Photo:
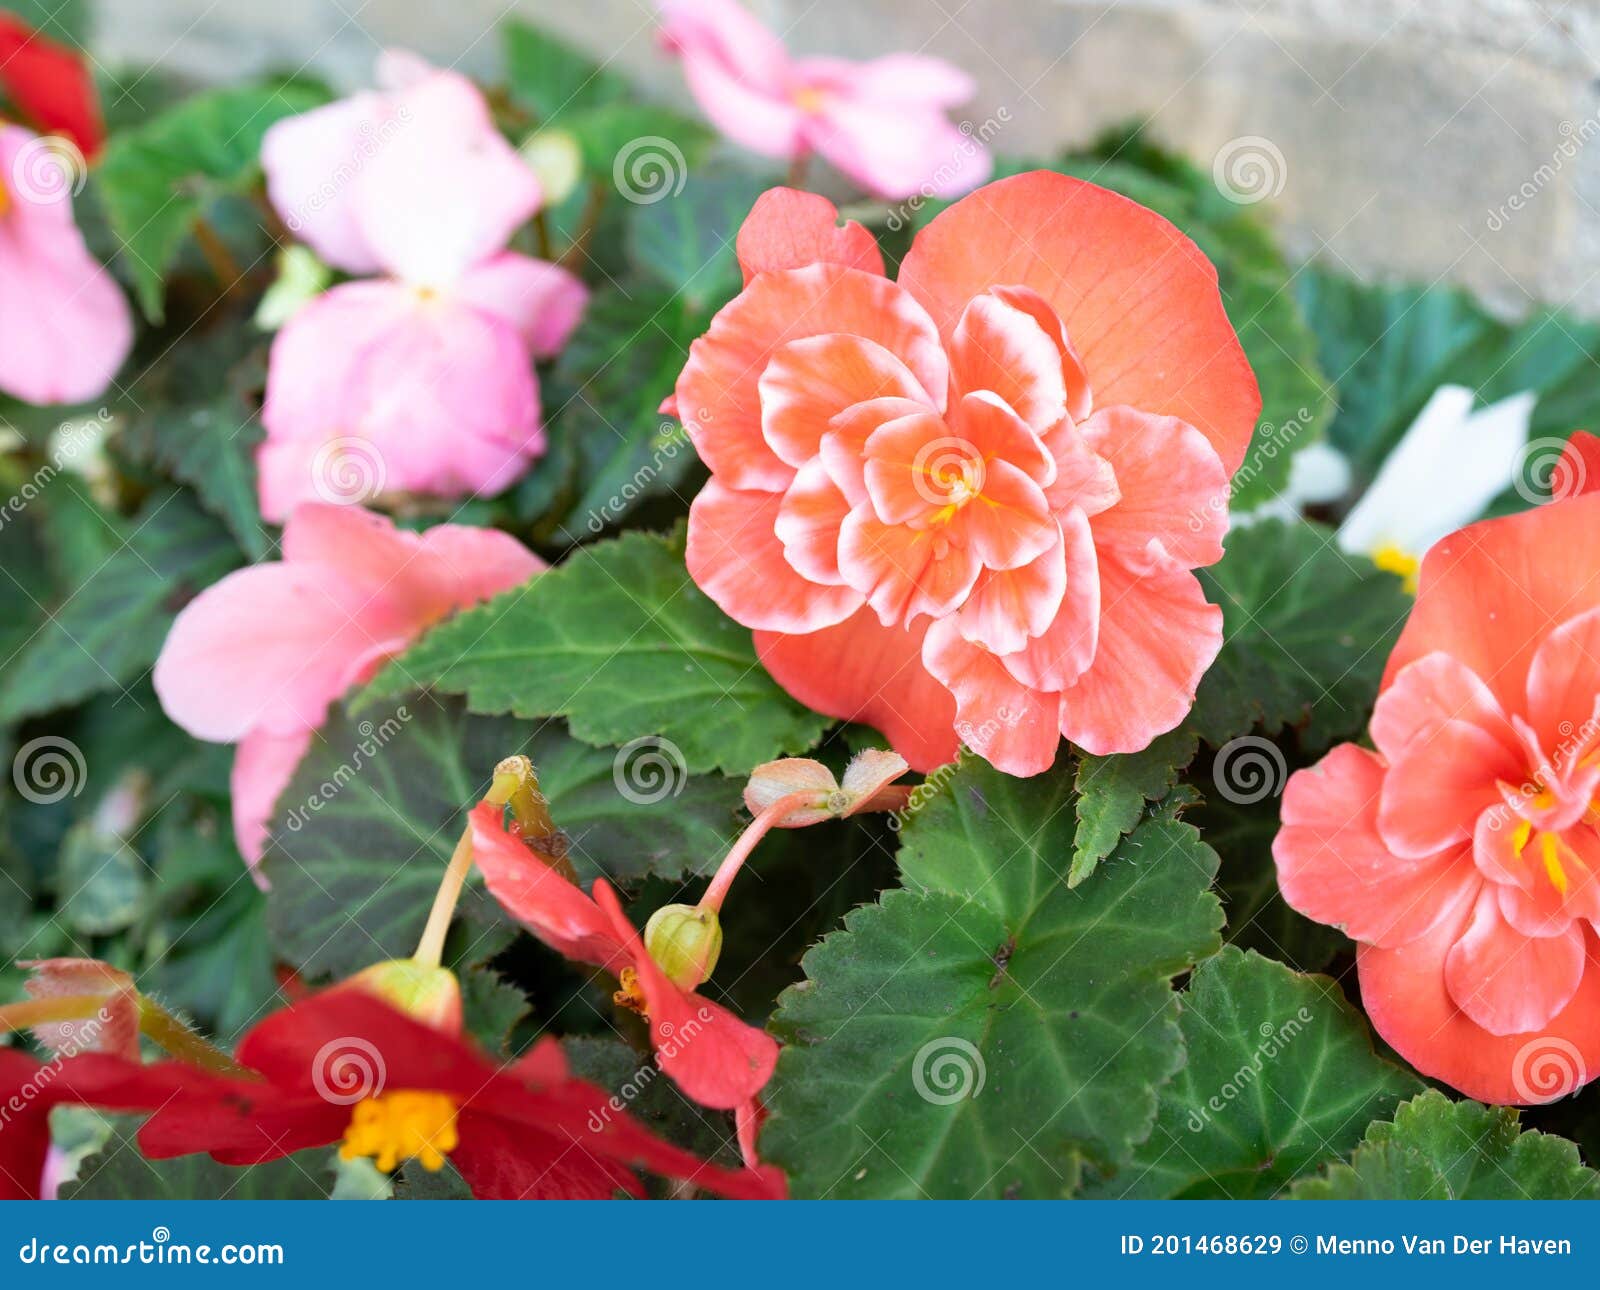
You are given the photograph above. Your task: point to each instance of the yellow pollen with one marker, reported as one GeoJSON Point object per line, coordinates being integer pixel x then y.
{"type": "Point", "coordinates": [5, 200]}
{"type": "Point", "coordinates": [1520, 836]}
{"type": "Point", "coordinates": [1391, 559]}
{"type": "Point", "coordinates": [1549, 847]}
{"type": "Point", "coordinates": [628, 994]}
{"type": "Point", "coordinates": [405, 1125]}
{"type": "Point", "coordinates": [808, 98]}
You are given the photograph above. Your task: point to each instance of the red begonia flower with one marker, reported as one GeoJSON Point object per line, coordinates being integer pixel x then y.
{"type": "Point", "coordinates": [345, 1067]}
{"type": "Point", "coordinates": [718, 1060]}
{"type": "Point", "coordinates": [967, 505]}
{"type": "Point", "coordinates": [1463, 855]}
{"type": "Point", "coordinates": [50, 85]}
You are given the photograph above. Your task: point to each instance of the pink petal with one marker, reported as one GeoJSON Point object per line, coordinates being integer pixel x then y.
{"type": "Point", "coordinates": [1059, 654]}
{"type": "Point", "coordinates": [861, 671]}
{"type": "Point", "coordinates": [263, 765]}
{"type": "Point", "coordinates": [718, 395]}
{"type": "Point", "coordinates": [1007, 607]}
{"type": "Point", "coordinates": [269, 648]}
{"type": "Point", "coordinates": [1003, 349]}
{"type": "Point", "coordinates": [789, 229]}
{"type": "Point", "coordinates": [843, 450]}
{"type": "Point", "coordinates": [774, 780]}
{"type": "Point", "coordinates": [1437, 788]}
{"type": "Point", "coordinates": [1080, 399]}
{"type": "Point", "coordinates": [1173, 507]}
{"type": "Point", "coordinates": [1564, 681]}
{"type": "Point", "coordinates": [896, 150]}
{"type": "Point", "coordinates": [1010, 522]}
{"type": "Point", "coordinates": [373, 389]}
{"type": "Point", "coordinates": [1084, 480]}
{"type": "Point", "coordinates": [444, 191]}
{"type": "Point", "coordinates": [543, 301]}
{"type": "Point", "coordinates": [996, 430]}
{"type": "Point", "coordinates": [539, 898]}
{"type": "Point", "coordinates": [904, 572]}
{"type": "Point", "coordinates": [1430, 692]}
{"type": "Point", "coordinates": [308, 161]}
{"type": "Point", "coordinates": [65, 328]}
{"type": "Point", "coordinates": [808, 523]}
{"type": "Point", "coordinates": [1507, 982]}
{"type": "Point", "coordinates": [735, 557]}
{"type": "Point", "coordinates": [737, 71]}
{"type": "Point", "coordinates": [1141, 683]}
{"type": "Point", "coordinates": [869, 771]}
{"type": "Point", "coordinates": [912, 78]}
{"type": "Point", "coordinates": [1334, 867]}
{"type": "Point", "coordinates": [1013, 727]}
{"type": "Point", "coordinates": [809, 382]}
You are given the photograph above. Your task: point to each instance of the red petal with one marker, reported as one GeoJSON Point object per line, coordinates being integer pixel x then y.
{"type": "Point", "coordinates": [50, 85]}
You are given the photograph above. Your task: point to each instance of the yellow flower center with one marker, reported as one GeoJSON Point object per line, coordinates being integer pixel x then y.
{"type": "Point", "coordinates": [405, 1125]}
{"type": "Point", "coordinates": [1391, 559]}
{"type": "Point", "coordinates": [629, 993]}
{"type": "Point", "coordinates": [808, 98]}
{"type": "Point", "coordinates": [5, 200]}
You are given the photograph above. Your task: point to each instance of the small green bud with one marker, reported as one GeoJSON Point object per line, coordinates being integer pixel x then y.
{"type": "Point", "coordinates": [430, 994]}
{"type": "Point", "coordinates": [556, 157]}
{"type": "Point", "coordinates": [685, 941]}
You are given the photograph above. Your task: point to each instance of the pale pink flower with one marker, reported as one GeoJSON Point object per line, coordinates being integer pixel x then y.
{"type": "Point", "coordinates": [65, 328]}
{"type": "Point", "coordinates": [882, 122]}
{"type": "Point", "coordinates": [425, 375]}
{"type": "Point", "coordinates": [256, 659]}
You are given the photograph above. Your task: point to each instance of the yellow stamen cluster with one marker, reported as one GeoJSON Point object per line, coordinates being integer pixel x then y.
{"type": "Point", "coordinates": [630, 994]}
{"type": "Point", "coordinates": [405, 1125]}
{"type": "Point", "coordinates": [808, 98]}
{"type": "Point", "coordinates": [5, 200]}
{"type": "Point", "coordinates": [1391, 559]}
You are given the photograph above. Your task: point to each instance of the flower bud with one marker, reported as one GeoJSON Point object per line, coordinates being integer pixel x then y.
{"type": "Point", "coordinates": [554, 155]}
{"type": "Point", "coordinates": [685, 942]}
{"type": "Point", "coordinates": [430, 994]}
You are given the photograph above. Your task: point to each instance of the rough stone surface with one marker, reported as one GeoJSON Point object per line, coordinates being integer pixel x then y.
{"type": "Point", "coordinates": [1453, 139]}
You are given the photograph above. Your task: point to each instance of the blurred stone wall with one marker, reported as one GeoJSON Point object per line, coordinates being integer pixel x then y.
{"type": "Point", "coordinates": [1454, 139]}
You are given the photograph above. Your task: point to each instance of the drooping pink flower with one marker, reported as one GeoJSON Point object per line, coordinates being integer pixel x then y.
{"type": "Point", "coordinates": [419, 381]}
{"type": "Point", "coordinates": [883, 122]}
{"type": "Point", "coordinates": [714, 1057]}
{"type": "Point", "coordinates": [967, 505]}
{"type": "Point", "coordinates": [65, 327]}
{"type": "Point", "coordinates": [1463, 855]}
{"type": "Point", "coordinates": [256, 659]}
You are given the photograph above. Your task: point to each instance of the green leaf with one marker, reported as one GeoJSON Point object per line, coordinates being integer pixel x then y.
{"type": "Point", "coordinates": [608, 384]}
{"type": "Point", "coordinates": [685, 240]}
{"type": "Point", "coordinates": [1112, 792]}
{"type": "Point", "coordinates": [1390, 347]}
{"type": "Point", "coordinates": [1307, 630]}
{"type": "Point", "coordinates": [362, 833]}
{"type": "Point", "coordinates": [1436, 1149]}
{"type": "Point", "coordinates": [24, 584]}
{"type": "Point", "coordinates": [492, 1006]}
{"type": "Point", "coordinates": [156, 180]}
{"type": "Point", "coordinates": [102, 882]}
{"type": "Point", "coordinates": [197, 420]}
{"type": "Point", "coordinates": [1281, 1078]}
{"type": "Point", "coordinates": [621, 642]}
{"type": "Point", "coordinates": [110, 628]}
{"type": "Point", "coordinates": [120, 1172]}
{"type": "Point", "coordinates": [986, 1030]}
{"type": "Point", "coordinates": [551, 78]}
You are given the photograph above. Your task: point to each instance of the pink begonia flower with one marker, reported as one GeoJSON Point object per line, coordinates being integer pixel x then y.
{"type": "Point", "coordinates": [882, 123]}
{"type": "Point", "coordinates": [421, 380]}
{"type": "Point", "coordinates": [65, 328]}
{"type": "Point", "coordinates": [967, 505]}
{"type": "Point", "coordinates": [256, 659]}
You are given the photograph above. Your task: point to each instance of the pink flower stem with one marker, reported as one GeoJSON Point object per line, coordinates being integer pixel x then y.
{"type": "Point", "coordinates": [754, 832]}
